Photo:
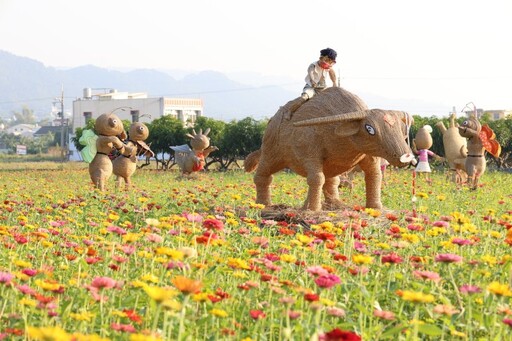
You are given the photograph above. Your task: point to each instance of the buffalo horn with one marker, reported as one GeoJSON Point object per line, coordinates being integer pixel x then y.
{"type": "Point", "coordinates": [349, 116]}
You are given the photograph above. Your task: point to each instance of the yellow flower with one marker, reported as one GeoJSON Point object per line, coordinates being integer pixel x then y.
{"type": "Point", "coordinates": [441, 197]}
{"type": "Point", "coordinates": [288, 258]}
{"type": "Point", "coordinates": [171, 305]}
{"type": "Point", "coordinates": [83, 316]}
{"type": "Point", "coordinates": [84, 337]}
{"type": "Point", "coordinates": [113, 216]}
{"type": "Point", "coordinates": [171, 253]}
{"type": "Point", "coordinates": [417, 297]}
{"type": "Point", "coordinates": [238, 263]}
{"type": "Point", "coordinates": [131, 237]}
{"type": "Point", "coordinates": [150, 278]}
{"type": "Point", "coordinates": [218, 312]}
{"type": "Point", "coordinates": [28, 302]}
{"type": "Point", "coordinates": [143, 337]}
{"type": "Point", "coordinates": [499, 289]}
{"type": "Point", "coordinates": [143, 200]}
{"type": "Point", "coordinates": [495, 234]}
{"type": "Point", "coordinates": [422, 195]}
{"type": "Point", "coordinates": [232, 222]}
{"type": "Point", "coordinates": [50, 286]}
{"type": "Point", "coordinates": [48, 334]}
{"type": "Point", "coordinates": [200, 297]}
{"type": "Point", "coordinates": [22, 264]}
{"type": "Point", "coordinates": [304, 239]}
{"type": "Point", "coordinates": [362, 259]}
{"type": "Point", "coordinates": [159, 294]}
{"type": "Point", "coordinates": [411, 238]}
{"type": "Point", "coordinates": [490, 260]}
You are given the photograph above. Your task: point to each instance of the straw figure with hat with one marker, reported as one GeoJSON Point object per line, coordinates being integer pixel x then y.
{"type": "Point", "coordinates": [326, 136]}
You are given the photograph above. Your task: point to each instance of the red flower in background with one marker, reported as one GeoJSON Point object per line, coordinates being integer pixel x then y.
{"type": "Point", "coordinates": [339, 335]}
{"type": "Point", "coordinates": [257, 314]}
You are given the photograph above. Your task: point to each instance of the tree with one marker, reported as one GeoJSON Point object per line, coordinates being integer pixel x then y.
{"type": "Point", "coordinates": [25, 116]}
{"type": "Point", "coordinates": [165, 132]}
{"type": "Point", "coordinates": [239, 139]}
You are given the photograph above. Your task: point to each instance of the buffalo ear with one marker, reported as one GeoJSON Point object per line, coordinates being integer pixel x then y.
{"type": "Point", "coordinates": [347, 128]}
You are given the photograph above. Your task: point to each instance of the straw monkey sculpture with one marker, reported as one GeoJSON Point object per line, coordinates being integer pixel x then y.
{"type": "Point", "coordinates": [325, 137]}
{"type": "Point", "coordinates": [479, 139]}
{"type": "Point", "coordinates": [455, 149]}
{"type": "Point", "coordinates": [125, 166]}
{"type": "Point", "coordinates": [193, 160]}
{"type": "Point", "coordinates": [110, 133]}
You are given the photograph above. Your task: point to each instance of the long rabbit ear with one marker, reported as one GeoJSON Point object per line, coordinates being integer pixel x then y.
{"type": "Point", "coordinates": [200, 131]}
{"type": "Point", "coordinates": [188, 135]}
{"type": "Point", "coordinates": [206, 131]}
{"type": "Point", "coordinates": [193, 130]}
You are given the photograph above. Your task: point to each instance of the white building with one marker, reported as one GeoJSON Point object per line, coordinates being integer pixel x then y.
{"type": "Point", "coordinates": [135, 107]}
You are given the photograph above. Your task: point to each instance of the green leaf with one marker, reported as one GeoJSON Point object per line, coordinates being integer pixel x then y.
{"type": "Point", "coordinates": [430, 329]}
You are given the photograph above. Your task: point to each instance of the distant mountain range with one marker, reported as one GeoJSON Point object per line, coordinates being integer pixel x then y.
{"type": "Point", "coordinates": [27, 82]}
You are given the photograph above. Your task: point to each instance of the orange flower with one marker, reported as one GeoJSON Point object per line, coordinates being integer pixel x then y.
{"type": "Point", "coordinates": [186, 285]}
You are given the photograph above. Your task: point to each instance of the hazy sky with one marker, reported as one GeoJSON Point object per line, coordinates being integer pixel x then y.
{"type": "Point", "coordinates": [448, 52]}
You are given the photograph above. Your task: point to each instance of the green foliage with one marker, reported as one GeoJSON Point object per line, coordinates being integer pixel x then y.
{"type": "Point", "coordinates": [242, 137]}
{"type": "Point", "coordinates": [165, 132]}
{"type": "Point", "coordinates": [78, 134]}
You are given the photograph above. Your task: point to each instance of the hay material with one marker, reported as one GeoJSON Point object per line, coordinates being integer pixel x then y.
{"type": "Point", "coordinates": [353, 135]}
{"type": "Point", "coordinates": [110, 131]}
{"type": "Point", "coordinates": [193, 160]}
{"type": "Point", "coordinates": [124, 167]}
{"type": "Point", "coordinates": [455, 150]}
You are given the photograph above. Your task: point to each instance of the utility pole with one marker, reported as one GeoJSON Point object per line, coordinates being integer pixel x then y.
{"type": "Point", "coordinates": [62, 149]}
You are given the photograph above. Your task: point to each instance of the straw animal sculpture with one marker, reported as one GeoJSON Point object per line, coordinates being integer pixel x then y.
{"type": "Point", "coordinates": [193, 160]}
{"type": "Point", "coordinates": [479, 139]}
{"type": "Point", "coordinates": [455, 150]}
{"type": "Point", "coordinates": [325, 137]}
{"type": "Point", "coordinates": [125, 166]}
{"type": "Point", "coordinates": [110, 132]}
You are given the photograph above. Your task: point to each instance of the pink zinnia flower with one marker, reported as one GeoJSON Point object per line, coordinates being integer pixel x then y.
{"type": "Point", "coordinates": [26, 290]}
{"type": "Point", "coordinates": [317, 270]}
{"type": "Point", "coordinates": [128, 249]}
{"type": "Point", "coordinates": [461, 242]}
{"type": "Point", "coordinates": [193, 217]}
{"type": "Point", "coordinates": [293, 314]}
{"type": "Point", "coordinates": [327, 281]}
{"type": "Point", "coordinates": [6, 277]}
{"type": "Point", "coordinates": [448, 258]}
{"type": "Point", "coordinates": [384, 314]}
{"type": "Point", "coordinates": [29, 272]}
{"type": "Point", "coordinates": [508, 322]}
{"type": "Point", "coordinates": [116, 229]}
{"type": "Point", "coordinates": [155, 238]}
{"type": "Point", "coordinates": [433, 276]}
{"type": "Point", "coordinates": [213, 224]}
{"type": "Point", "coordinates": [334, 311]}
{"type": "Point", "coordinates": [103, 283]}
{"type": "Point", "coordinates": [469, 289]}
{"type": "Point", "coordinates": [441, 223]}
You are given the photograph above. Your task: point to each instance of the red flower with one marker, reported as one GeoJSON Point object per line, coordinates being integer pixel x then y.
{"type": "Point", "coordinates": [213, 224]}
{"type": "Point", "coordinates": [132, 315]}
{"type": "Point", "coordinates": [339, 335]}
{"type": "Point", "coordinates": [391, 258]}
{"type": "Point", "coordinates": [257, 314]}
{"type": "Point", "coordinates": [311, 297]}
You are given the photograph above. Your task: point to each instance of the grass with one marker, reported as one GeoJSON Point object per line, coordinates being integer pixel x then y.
{"type": "Point", "coordinates": [197, 259]}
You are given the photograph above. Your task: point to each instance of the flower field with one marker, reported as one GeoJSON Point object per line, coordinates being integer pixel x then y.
{"type": "Point", "coordinates": [197, 259]}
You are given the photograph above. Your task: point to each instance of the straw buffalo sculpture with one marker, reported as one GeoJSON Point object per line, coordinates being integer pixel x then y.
{"type": "Point", "coordinates": [325, 137]}
{"type": "Point", "coordinates": [125, 166]}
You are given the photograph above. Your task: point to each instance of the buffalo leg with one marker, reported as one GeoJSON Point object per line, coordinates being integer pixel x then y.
{"type": "Point", "coordinates": [316, 180]}
{"type": "Point", "coordinates": [331, 192]}
{"type": "Point", "coordinates": [263, 193]}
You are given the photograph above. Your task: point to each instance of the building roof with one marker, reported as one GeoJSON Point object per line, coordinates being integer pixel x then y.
{"type": "Point", "coordinates": [48, 129]}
